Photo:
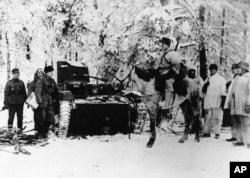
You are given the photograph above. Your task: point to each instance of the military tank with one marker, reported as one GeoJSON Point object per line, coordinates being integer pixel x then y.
{"type": "Point", "coordinates": [88, 108]}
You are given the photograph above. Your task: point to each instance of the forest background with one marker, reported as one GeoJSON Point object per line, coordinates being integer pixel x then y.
{"type": "Point", "coordinates": [103, 33]}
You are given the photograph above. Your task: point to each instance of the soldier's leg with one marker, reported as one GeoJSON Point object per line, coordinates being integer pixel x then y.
{"type": "Point", "coordinates": [233, 129]}
{"type": "Point", "coordinates": [237, 125]}
{"type": "Point", "coordinates": [217, 120]}
{"type": "Point", "coordinates": [42, 112]}
{"type": "Point", "coordinates": [20, 116]}
{"type": "Point", "coordinates": [208, 121]}
{"type": "Point", "coordinates": [12, 111]}
{"type": "Point", "coordinates": [39, 117]}
{"type": "Point", "coordinates": [50, 118]}
{"type": "Point", "coordinates": [169, 92]}
{"type": "Point", "coordinates": [35, 120]}
{"type": "Point", "coordinates": [245, 127]}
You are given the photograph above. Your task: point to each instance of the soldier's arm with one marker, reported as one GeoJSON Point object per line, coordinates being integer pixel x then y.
{"type": "Point", "coordinates": [6, 94]}
{"type": "Point", "coordinates": [201, 81]}
{"type": "Point", "coordinates": [174, 58]}
{"type": "Point", "coordinates": [24, 90]}
{"type": "Point", "coordinates": [38, 91]}
{"type": "Point", "coordinates": [57, 99]}
{"type": "Point", "coordinates": [30, 88]}
{"type": "Point", "coordinates": [228, 98]}
{"type": "Point", "coordinates": [156, 64]}
{"type": "Point", "coordinates": [248, 96]}
{"type": "Point", "coordinates": [223, 93]}
{"type": "Point", "coordinates": [223, 87]}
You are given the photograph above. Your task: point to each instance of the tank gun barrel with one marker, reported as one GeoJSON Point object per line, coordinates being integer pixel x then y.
{"type": "Point", "coordinates": [94, 77]}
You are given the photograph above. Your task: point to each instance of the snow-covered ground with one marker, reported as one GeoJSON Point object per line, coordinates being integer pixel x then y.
{"type": "Point", "coordinates": [120, 157]}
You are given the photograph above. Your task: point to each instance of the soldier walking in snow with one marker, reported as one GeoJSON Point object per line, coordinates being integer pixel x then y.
{"type": "Point", "coordinates": [14, 98]}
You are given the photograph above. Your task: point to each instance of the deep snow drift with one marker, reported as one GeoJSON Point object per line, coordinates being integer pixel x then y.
{"type": "Point", "coordinates": [120, 157]}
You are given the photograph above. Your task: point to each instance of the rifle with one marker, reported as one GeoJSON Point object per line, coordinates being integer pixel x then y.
{"type": "Point", "coordinates": [178, 39]}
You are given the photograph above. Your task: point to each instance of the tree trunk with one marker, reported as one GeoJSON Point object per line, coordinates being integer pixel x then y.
{"type": "Point", "coordinates": [222, 35]}
{"type": "Point", "coordinates": [1, 56]}
{"type": "Point", "coordinates": [203, 58]}
{"type": "Point", "coordinates": [245, 44]}
{"type": "Point", "coordinates": [8, 57]}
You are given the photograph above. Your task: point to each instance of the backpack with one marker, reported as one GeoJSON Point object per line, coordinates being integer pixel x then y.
{"type": "Point", "coordinates": [180, 86]}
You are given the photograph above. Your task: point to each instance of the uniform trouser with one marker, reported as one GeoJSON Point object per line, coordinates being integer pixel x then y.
{"type": "Point", "coordinates": [245, 125]}
{"type": "Point", "coordinates": [233, 129]}
{"type": "Point", "coordinates": [213, 120]}
{"type": "Point", "coordinates": [38, 118]}
{"type": "Point", "coordinates": [242, 128]}
{"type": "Point", "coordinates": [13, 109]}
{"type": "Point", "coordinates": [237, 127]}
{"type": "Point", "coordinates": [47, 119]}
{"type": "Point", "coordinates": [169, 92]}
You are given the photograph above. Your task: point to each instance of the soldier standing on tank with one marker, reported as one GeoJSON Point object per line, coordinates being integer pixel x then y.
{"type": "Point", "coordinates": [14, 98]}
{"type": "Point", "coordinates": [47, 95]}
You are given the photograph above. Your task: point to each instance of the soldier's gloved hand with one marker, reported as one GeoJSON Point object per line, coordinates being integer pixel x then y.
{"type": "Point", "coordinates": [247, 109]}
{"type": "Point", "coordinates": [5, 107]}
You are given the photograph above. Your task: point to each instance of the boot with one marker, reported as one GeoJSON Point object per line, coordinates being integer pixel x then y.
{"type": "Point", "coordinates": [204, 135]}
{"type": "Point", "coordinates": [238, 144]}
{"type": "Point", "coordinates": [231, 139]}
{"type": "Point", "coordinates": [217, 136]}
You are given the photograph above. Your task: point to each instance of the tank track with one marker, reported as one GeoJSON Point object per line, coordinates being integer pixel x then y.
{"type": "Point", "coordinates": [65, 108]}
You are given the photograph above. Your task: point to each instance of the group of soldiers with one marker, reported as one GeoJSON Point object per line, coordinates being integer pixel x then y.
{"type": "Point", "coordinates": [216, 95]}
{"type": "Point", "coordinates": [46, 94]}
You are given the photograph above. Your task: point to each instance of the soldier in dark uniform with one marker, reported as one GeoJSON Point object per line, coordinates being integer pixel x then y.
{"type": "Point", "coordinates": [14, 98]}
{"type": "Point", "coordinates": [47, 95]}
{"type": "Point", "coordinates": [31, 88]}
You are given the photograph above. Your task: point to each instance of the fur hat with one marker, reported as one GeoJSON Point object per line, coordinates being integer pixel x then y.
{"type": "Point", "coordinates": [244, 65]}
{"type": "Point", "coordinates": [166, 41]}
{"type": "Point", "coordinates": [48, 69]}
{"type": "Point", "coordinates": [15, 70]}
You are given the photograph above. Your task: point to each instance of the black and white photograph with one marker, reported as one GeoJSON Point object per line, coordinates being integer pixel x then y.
{"type": "Point", "coordinates": [124, 88]}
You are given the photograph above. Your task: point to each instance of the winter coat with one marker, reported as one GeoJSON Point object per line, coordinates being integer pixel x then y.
{"type": "Point", "coordinates": [14, 92]}
{"type": "Point", "coordinates": [47, 93]}
{"type": "Point", "coordinates": [215, 90]}
{"type": "Point", "coordinates": [229, 89]}
{"type": "Point", "coordinates": [32, 85]}
{"type": "Point", "coordinates": [169, 60]}
{"type": "Point", "coordinates": [240, 95]}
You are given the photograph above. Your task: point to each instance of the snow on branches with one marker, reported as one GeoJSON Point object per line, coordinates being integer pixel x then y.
{"type": "Point", "coordinates": [103, 33]}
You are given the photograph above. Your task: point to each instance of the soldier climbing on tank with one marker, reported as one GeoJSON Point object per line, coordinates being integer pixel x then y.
{"type": "Point", "coordinates": [47, 95]}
